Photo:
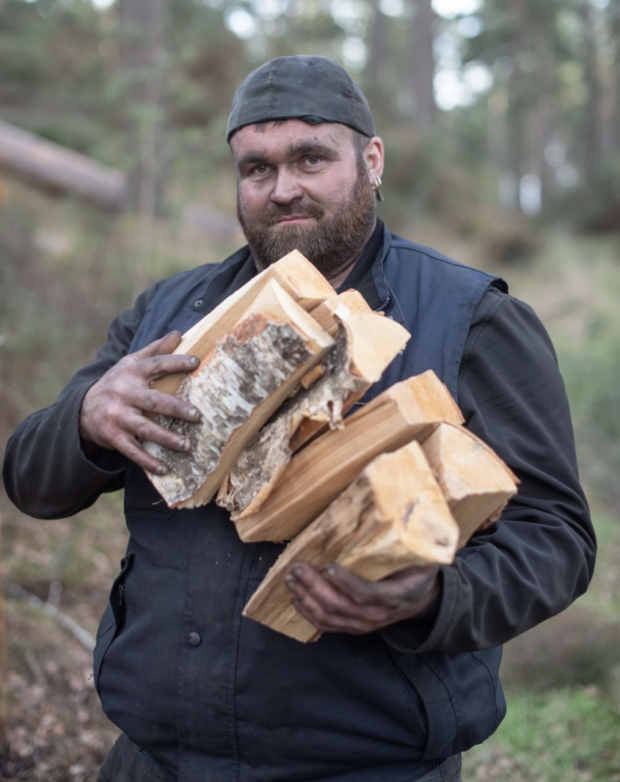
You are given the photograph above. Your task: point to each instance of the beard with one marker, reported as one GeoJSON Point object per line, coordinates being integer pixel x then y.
{"type": "Point", "coordinates": [331, 244]}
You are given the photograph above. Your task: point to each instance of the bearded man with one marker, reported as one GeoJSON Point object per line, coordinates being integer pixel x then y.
{"type": "Point", "coordinates": [405, 676]}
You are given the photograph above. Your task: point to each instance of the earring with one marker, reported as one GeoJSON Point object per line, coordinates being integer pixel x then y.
{"type": "Point", "coordinates": [376, 186]}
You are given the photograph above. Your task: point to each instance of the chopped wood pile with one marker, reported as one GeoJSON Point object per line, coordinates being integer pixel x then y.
{"type": "Point", "coordinates": [399, 482]}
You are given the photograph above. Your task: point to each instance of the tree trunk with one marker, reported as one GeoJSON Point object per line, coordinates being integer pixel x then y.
{"type": "Point", "coordinates": [143, 61]}
{"type": "Point", "coordinates": [544, 110]}
{"type": "Point", "coordinates": [423, 64]}
{"type": "Point", "coordinates": [378, 60]}
{"type": "Point", "coordinates": [55, 168]}
{"type": "Point", "coordinates": [615, 80]}
{"type": "Point", "coordinates": [591, 131]}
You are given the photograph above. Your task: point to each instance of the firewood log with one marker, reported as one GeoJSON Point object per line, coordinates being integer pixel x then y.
{"type": "Point", "coordinates": [475, 481]}
{"type": "Point", "coordinates": [315, 476]}
{"type": "Point", "coordinates": [299, 278]}
{"type": "Point", "coordinates": [323, 313]}
{"type": "Point", "coordinates": [365, 344]}
{"type": "Point", "coordinates": [237, 387]}
{"type": "Point", "coordinates": [392, 516]}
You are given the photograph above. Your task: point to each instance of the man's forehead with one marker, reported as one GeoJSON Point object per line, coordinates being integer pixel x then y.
{"type": "Point", "coordinates": [289, 134]}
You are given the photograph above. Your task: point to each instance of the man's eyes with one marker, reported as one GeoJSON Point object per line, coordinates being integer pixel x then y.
{"type": "Point", "coordinates": [263, 169]}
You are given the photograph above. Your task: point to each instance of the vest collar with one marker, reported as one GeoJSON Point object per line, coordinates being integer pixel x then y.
{"type": "Point", "coordinates": [367, 276]}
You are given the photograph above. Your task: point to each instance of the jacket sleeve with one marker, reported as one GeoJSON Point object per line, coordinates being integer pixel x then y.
{"type": "Point", "coordinates": [540, 556]}
{"type": "Point", "coordinates": [48, 472]}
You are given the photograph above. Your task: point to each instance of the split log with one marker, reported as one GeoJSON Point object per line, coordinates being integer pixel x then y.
{"type": "Point", "coordinates": [410, 410]}
{"type": "Point", "coordinates": [294, 273]}
{"type": "Point", "coordinates": [475, 481]}
{"type": "Point", "coordinates": [324, 313]}
{"type": "Point", "coordinates": [59, 169]}
{"type": "Point", "coordinates": [391, 517]}
{"type": "Point", "coordinates": [366, 343]}
{"type": "Point", "coordinates": [237, 387]}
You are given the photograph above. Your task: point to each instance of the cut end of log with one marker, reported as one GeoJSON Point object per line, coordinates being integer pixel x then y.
{"type": "Point", "coordinates": [474, 480]}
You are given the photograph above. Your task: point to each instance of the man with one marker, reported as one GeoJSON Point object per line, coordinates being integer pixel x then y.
{"type": "Point", "coordinates": [406, 675]}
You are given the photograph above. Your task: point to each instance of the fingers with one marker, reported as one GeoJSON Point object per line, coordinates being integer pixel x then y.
{"type": "Point", "coordinates": [326, 607]}
{"type": "Point", "coordinates": [159, 403]}
{"type": "Point", "coordinates": [112, 410]}
{"type": "Point", "coordinates": [166, 344]}
{"type": "Point", "coordinates": [143, 428]}
{"type": "Point", "coordinates": [130, 448]}
{"type": "Point", "coordinates": [406, 586]}
{"type": "Point", "coordinates": [158, 366]}
{"type": "Point", "coordinates": [157, 359]}
{"type": "Point", "coordinates": [340, 601]}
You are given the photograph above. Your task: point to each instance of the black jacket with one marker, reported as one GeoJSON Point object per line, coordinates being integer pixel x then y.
{"type": "Point", "coordinates": [235, 700]}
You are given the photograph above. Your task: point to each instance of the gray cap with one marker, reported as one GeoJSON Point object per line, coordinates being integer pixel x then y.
{"type": "Point", "coordinates": [315, 89]}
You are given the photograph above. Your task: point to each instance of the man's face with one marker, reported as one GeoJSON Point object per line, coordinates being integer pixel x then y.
{"type": "Point", "coordinates": [303, 187]}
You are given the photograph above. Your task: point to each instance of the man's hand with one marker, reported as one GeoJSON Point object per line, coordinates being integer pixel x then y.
{"type": "Point", "coordinates": [112, 410]}
{"type": "Point", "coordinates": [340, 602]}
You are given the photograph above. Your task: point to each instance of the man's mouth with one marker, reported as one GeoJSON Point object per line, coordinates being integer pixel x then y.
{"type": "Point", "coordinates": [293, 219]}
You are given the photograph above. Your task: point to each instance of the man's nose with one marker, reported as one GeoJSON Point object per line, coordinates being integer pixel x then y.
{"type": "Point", "coordinates": [286, 188]}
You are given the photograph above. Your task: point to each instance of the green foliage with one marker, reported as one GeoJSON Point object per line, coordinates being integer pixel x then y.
{"type": "Point", "coordinates": [570, 735]}
{"type": "Point", "coordinates": [591, 369]}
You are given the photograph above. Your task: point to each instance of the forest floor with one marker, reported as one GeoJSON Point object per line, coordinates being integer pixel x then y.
{"type": "Point", "coordinates": [562, 679]}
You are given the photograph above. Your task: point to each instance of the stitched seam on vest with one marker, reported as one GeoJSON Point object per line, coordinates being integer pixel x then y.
{"type": "Point", "coordinates": [481, 326]}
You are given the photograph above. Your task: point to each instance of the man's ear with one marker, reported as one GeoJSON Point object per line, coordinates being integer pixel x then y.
{"type": "Point", "coordinates": [374, 157]}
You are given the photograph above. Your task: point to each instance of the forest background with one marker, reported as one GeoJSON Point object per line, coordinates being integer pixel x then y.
{"type": "Point", "coordinates": [501, 120]}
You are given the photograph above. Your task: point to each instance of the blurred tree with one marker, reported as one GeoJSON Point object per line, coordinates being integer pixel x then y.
{"type": "Point", "coordinates": [423, 64]}
{"type": "Point", "coordinates": [591, 150]}
{"type": "Point", "coordinates": [378, 55]}
{"type": "Point", "coordinates": [142, 25]}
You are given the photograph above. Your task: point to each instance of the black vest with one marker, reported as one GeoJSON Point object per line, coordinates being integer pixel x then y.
{"type": "Point", "coordinates": [212, 696]}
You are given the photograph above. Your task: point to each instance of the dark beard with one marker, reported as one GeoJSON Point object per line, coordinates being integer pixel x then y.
{"type": "Point", "coordinates": [331, 244]}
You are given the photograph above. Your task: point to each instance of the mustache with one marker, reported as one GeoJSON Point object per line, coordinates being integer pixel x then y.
{"type": "Point", "coordinates": [276, 212]}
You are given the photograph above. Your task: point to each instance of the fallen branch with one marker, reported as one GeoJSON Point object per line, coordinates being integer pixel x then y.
{"type": "Point", "coordinates": [59, 169]}
{"type": "Point", "coordinates": [71, 626]}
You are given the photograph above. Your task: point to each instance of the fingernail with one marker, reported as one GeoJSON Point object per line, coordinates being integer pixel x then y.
{"type": "Point", "coordinates": [194, 361]}
{"type": "Point", "coordinates": [161, 470]}
{"type": "Point", "coordinates": [297, 572]}
{"type": "Point", "coordinates": [329, 571]}
{"type": "Point", "coordinates": [194, 413]}
{"type": "Point", "coordinates": [290, 581]}
{"type": "Point", "coordinates": [295, 601]}
{"type": "Point", "coordinates": [184, 444]}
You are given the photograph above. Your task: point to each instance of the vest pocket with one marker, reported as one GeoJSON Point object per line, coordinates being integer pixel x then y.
{"type": "Point", "coordinates": [112, 619]}
{"type": "Point", "coordinates": [417, 704]}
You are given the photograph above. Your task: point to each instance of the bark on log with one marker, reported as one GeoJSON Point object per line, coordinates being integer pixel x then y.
{"type": "Point", "coordinates": [391, 517]}
{"type": "Point", "coordinates": [475, 481]}
{"type": "Point", "coordinates": [56, 168]}
{"type": "Point", "coordinates": [317, 474]}
{"type": "Point", "coordinates": [299, 278]}
{"type": "Point", "coordinates": [366, 343]}
{"type": "Point", "coordinates": [237, 387]}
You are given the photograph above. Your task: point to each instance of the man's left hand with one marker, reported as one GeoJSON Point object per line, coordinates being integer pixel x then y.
{"type": "Point", "coordinates": [337, 601]}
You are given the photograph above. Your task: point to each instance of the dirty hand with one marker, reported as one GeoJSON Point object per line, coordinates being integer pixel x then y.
{"type": "Point", "coordinates": [337, 601]}
{"type": "Point", "coordinates": [112, 410]}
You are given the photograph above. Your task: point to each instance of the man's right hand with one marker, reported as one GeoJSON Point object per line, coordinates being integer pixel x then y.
{"type": "Point", "coordinates": [112, 414]}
